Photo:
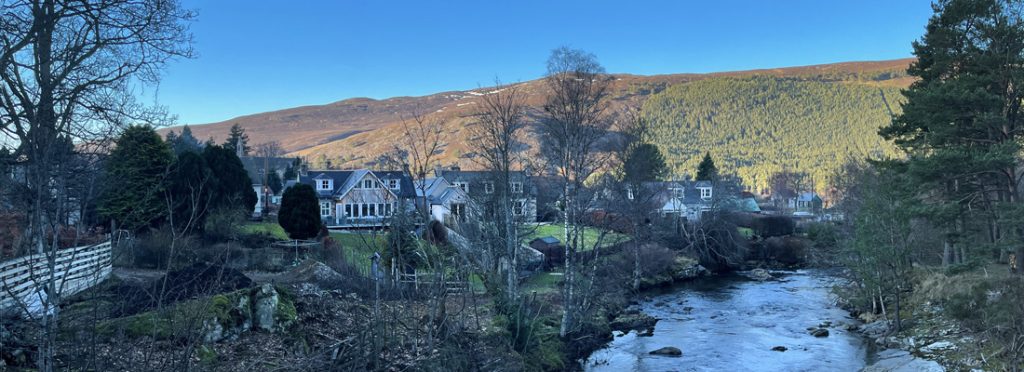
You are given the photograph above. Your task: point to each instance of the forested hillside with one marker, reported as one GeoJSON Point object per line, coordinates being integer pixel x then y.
{"type": "Point", "coordinates": [757, 126]}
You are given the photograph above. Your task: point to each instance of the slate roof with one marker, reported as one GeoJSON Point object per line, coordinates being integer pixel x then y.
{"type": "Point", "coordinates": [340, 178]}
{"type": "Point", "coordinates": [345, 180]}
{"type": "Point", "coordinates": [253, 164]}
{"type": "Point", "coordinates": [549, 240]}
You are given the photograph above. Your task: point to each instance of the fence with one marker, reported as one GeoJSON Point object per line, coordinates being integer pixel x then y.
{"type": "Point", "coordinates": [74, 269]}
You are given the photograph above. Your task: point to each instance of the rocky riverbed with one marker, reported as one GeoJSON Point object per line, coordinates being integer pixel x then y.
{"type": "Point", "coordinates": [752, 322]}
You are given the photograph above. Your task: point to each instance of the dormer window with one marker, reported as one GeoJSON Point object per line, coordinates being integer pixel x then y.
{"type": "Point", "coordinates": [629, 193]}
{"type": "Point", "coordinates": [464, 186]}
{"type": "Point", "coordinates": [705, 193]}
{"type": "Point", "coordinates": [323, 184]}
{"type": "Point", "coordinates": [517, 187]}
{"type": "Point", "coordinates": [393, 184]}
{"type": "Point", "coordinates": [489, 187]}
{"type": "Point", "coordinates": [677, 192]}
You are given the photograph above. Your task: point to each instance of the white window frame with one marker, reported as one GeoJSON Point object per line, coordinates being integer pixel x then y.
{"type": "Point", "coordinates": [464, 186]}
{"type": "Point", "coordinates": [489, 187]}
{"type": "Point", "coordinates": [705, 193]}
{"type": "Point", "coordinates": [325, 206]}
{"type": "Point", "coordinates": [324, 185]}
{"type": "Point", "coordinates": [368, 184]}
{"type": "Point", "coordinates": [677, 192]}
{"type": "Point", "coordinates": [517, 187]}
{"type": "Point", "coordinates": [518, 207]}
{"type": "Point", "coordinates": [393, 184]}
{"type": "Point", "coordinates": [629, 193]}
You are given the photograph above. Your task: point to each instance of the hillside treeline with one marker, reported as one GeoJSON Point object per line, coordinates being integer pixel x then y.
{"type": "Point", "coordinates": [758, 126]}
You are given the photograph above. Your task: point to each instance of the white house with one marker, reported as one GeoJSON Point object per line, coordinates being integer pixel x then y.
{"type": "Point", "coordinates": [359, 198]}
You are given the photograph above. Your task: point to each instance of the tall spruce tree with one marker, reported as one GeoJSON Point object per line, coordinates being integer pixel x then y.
{"type": "Point", "coordinates": [961, 125]}
{"type": "Point", "coordinates": [236, 137]}
{"type": "Point", "coordinates": [707, 171]}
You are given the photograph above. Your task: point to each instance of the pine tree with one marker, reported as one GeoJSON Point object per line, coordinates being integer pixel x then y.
{"type": "Point", "coordinates": [961, 123]}
{"type": "Point", "coordinates": [644, 163]}
{"type": "Point", "coordinates": [707, 171]}
{"type": "Point", "coordinates": [136, 172]}
{"type": "Point", "coordinates": [237, 136]}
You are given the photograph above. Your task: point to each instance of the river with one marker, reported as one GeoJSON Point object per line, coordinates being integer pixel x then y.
{"type": "Point", "coordinates": [731, 323]}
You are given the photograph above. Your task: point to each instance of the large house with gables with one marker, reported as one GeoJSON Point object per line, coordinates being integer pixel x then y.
{"type": "Point", "coordinates": [359, 198]}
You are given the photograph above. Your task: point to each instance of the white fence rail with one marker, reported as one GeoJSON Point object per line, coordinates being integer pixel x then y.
{"type": "Point", "coordinates": [74, 269]}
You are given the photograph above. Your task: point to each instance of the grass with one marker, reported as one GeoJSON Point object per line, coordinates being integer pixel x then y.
{"type": "Point", "coordinates": [268, 228]}
{"type": "Point", "coordinates": [590, 235]}
{"type": "Point", "coordinates": [358, 247]}
{"type": "Point", "coordinates": [543, 283]}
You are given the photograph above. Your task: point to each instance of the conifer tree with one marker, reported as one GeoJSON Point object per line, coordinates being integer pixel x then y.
{"type": "Point", "coordinates": [707, 171]}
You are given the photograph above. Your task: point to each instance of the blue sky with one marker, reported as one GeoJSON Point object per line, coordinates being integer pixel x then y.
{"type": "Point", "coordinates": [256, 56]}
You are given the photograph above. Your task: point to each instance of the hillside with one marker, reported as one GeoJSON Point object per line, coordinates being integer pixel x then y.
{"type": "Point", "coordinates": [819, 102]}
{"type": "Point", "coordinates": [756, 126]}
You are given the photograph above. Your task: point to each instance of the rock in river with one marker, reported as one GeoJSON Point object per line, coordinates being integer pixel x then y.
{"type": "Point", "coordinates": [820, 332]}
{"type": "Point", "coordinates": [779, 348]}
{"type": "Point", "coordinates": [668, 351]}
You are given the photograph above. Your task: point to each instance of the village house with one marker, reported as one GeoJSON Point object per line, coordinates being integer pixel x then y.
{"type": "Point", "coordinates": [480, 188]}
{"type": "Point", "coordinates": [258, 168]}
{"type": "Point", "coordinates": [359, 198]}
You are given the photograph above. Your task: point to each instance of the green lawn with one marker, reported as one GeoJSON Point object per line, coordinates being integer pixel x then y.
{"type": "Point", "coordinates": [358, 247]}
{"type": "Point", "coordinates": [542, 283]}
{"type": "Point", "coordinates": [590, 235]}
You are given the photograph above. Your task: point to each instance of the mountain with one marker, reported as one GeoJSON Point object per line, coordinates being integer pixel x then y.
{"type": "Point", "coordinates": [753, 122]}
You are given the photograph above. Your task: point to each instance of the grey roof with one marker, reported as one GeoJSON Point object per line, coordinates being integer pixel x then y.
{"type": "Point", "coordinates": [476, 179]}
{"type": "Point", "coordinates": [549, 240]}
{"type": "Point", "coordinates": [405, 185]}
{"type": "Point", "coordinates": [253, 165]}
{"type": "Point", "coordinates": [345, 180]}
{"type": "Point", "coordinates": [340, 178]}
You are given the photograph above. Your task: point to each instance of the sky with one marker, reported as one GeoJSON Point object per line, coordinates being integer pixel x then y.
{"type": "Point", "coordinates": [255, 56]}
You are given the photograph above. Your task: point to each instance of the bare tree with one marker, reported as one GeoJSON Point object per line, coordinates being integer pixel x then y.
{"type": "Point", "coordinates": [68, 70]}
{"type": "Point", "coordinates": [496, 134]}
{"type": "Point", "coordinates": [416, 153]}
{"type": "Point", "coordinates": [573, 125]}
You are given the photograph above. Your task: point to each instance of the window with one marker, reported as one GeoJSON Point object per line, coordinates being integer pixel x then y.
{"type": "Point", "coordinates": [348, 210]}
{"type": "Point", "coordinates": [705, 193]}
{"type": "Point", "coordinates": [365, 209]}
{"type": "Point", "coordinates": [489, 187]}
{"type": "Point", "coordinates": [325, 209]}
{"type": "Point", "coordinates": [324, 185]}
{"type": "Point", "coordinates": [368, 184]}
{"type": "Point", "coordinates": [517, 187]}
{"type": "Point", "coordinates": [387, 209]}
{"type": "Point", "coordinates": [518, 207]}
{"type": "Point", "coordinates": [629, 193]}
{"type": "Point", "coordinates": [459, 212]}
{"type": "Point", "coordinates": [462, 185]}
{"type": "Point", "coordinates": [392, 184]}
{"type": "Point", "coordinates": [677, 192]}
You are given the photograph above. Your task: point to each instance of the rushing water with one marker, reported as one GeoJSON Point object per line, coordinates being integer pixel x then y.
{"type": "Point", "coordinates": [732, 323]}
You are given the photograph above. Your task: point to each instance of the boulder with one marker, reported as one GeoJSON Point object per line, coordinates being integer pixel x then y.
{"type": "Point", "coordinates": [760, 275]}
{"type": "Point", "coordinates": [668, 351]}
{"type": "Point", "coordinates": [265, 307]}
{"type": "Point", "coordinates": [819, 332]}
{"type": "Point", "coordinates": [633, 321]}
{"type": "Point", "coordinates": [779, 348]}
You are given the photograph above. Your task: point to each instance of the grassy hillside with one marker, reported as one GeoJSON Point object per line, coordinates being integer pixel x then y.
{"type": "Point", "coordinates": [756, 126]}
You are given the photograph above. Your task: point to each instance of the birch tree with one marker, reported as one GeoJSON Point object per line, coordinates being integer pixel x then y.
{"type": "Point", "coordinates": [573, 124]}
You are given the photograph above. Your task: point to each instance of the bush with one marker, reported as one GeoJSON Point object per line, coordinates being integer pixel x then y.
{"type": "Point", "coordinates": [769, 226]}
{"type": "Point", "coordinates": [300, 212]}
{"type": "Point", "coordinates": [823, 235]}
{"type": "Point", "coordinates": [224, 224]}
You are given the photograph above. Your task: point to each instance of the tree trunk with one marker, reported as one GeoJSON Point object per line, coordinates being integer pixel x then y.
{"type": "Point", "coordinates": [947, 252]}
